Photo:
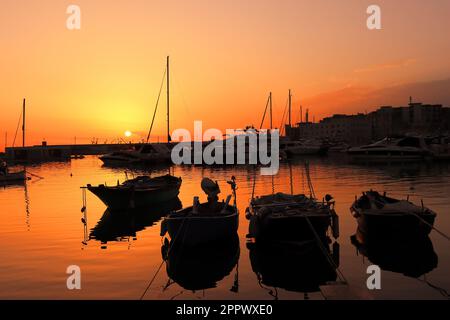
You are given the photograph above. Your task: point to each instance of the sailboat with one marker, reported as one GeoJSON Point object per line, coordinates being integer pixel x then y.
{"type": "Point", "coordinates": [147, 153]}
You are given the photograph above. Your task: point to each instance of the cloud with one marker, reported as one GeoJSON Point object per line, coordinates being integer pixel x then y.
{"type": "Point", "coordinates": [385, 66]}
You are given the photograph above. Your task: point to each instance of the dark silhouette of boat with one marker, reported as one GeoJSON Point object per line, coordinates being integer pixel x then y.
{"type": "Point", "coordinates": [207, 222]}
{"type": "Point", "coordinates": [120, 225]}
{"type": "Point", "coordinates": [411, 256]}
{"type": "Point", "coordinates": [289, 217]}
{"type": "Point", "coordinates": [385, 217]}
{"type": "Point", "coordinates": [139, 192]}
{"type": "Point", "coordinates": [201, 267]}
{"type": "Point", "coordinates": [293, 266]}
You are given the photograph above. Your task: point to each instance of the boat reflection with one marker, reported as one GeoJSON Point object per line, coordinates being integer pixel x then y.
{"type": "Point", "coordinates": [411, 256]}
{"type": "Point", "coordinates": [121, 225]}
{"type": "Point", "coordinates": [294, 266]}
{"type": "Point", "coordinates": [201, 267]}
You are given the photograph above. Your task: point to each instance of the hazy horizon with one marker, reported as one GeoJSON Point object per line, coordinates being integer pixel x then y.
{"type": "Point", "coordinates": [225, 58]}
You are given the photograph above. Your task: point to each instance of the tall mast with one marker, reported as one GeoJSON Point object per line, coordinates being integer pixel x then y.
{"type": "Point", "coordinates": [23, 124]}
{"type": "Point", "coordinates": [301, 114]}
{"type": "Point", "coordinates": [290, 100]}
{"type": "Point", "coordinates": [168, 102]}
{"type": "Point", "coordinates": [270, 99]}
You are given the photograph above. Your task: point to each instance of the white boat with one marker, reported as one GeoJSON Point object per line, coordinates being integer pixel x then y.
{"type": "Point", "coordinates": [392, 149]}
{"type": "Point", "coordinates": [146, 154]}
{"type": "Point", "coordinates": [302, 147]}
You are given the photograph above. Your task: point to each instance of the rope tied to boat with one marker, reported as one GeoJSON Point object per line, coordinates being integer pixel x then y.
{"type": "Point", "coordinates": [325, 252]}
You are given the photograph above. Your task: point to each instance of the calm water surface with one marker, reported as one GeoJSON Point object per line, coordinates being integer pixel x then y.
{"type": "Point", "coordinates": [41, 233]}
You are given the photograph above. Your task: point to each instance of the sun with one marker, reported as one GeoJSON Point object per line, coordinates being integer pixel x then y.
{"type": "Point", "coordinates": [128, 133]}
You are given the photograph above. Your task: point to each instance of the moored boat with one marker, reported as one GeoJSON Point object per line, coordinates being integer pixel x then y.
{"type": "Point", "coordinates": [290, 217]}
{"type": "Point", "coordinates": [203, 223]}
{"type": "Point", "coordinates": [392, 149]}
{"type": "Point", "coordinates": [142, 191]}
{"type": "Point", "coordinates": [382, 217]}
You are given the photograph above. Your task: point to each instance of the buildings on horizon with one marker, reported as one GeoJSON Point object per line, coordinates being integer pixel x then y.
{"type": "Point", "coordinates": [358, 129]}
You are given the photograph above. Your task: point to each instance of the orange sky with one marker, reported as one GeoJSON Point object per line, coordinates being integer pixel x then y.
{"type": "Point", "coordinates": [226, 56]}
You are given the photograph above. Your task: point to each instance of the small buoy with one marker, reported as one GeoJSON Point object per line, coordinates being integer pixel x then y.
{"type": "Point", "coordinates": [83, 220]}
{"type": "Point", "coordinates": [83, 209]}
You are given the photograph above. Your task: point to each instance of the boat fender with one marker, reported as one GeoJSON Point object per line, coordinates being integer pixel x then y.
{"type": "Point", "coordinates": [225, 206]}
{"type": "Point", "coordinates": [195, 205]}
{"type": "Point", "coordinates": [248, 215]}
{"type": "Point", "coordinates": [335, 225]}
{"type": "Point", "coordinates": [336, 253]}
{"type": "Point", "coordinates": [163, 228]}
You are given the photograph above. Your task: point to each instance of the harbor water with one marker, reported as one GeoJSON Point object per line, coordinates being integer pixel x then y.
{"type": "Point", "coordinates": [42, 234]}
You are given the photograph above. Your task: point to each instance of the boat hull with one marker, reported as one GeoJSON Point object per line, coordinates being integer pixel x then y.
{"type": "Point", "coordinates": [288, 228]}
{"type": "Point", "coordinates": [195, 230]}
{"type": "Point", "coordinates": [13, 177]}
{"type": "Point", "coordinates": [119, 199]}
{"type": "Point", "coordinates": [376, 227]}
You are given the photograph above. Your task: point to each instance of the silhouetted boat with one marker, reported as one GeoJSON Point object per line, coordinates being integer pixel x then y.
{"type": "Point", "coordinates": [392, 149]}
{"type": "Point", "coordinates": [119, 225]}
{"type": "Point", "coordinates": [208, 222]}
{"type": "Point", "coordinates": [13, 177]}
{"type": "Point", "coordinates": [293, 266]}
{"type": "Point", "coordinates": [302, 148]}
{"type": "Point", "coordinates": [412, 256]}
{"type": "Point", "coordinates": [287, 217]}
{"type": "Point", "coordinates": [201, 267]}
{"type": "Point", "coordinates": [146, 154]}
{"type": "Point", "coordinates": [382, 216]}
{"type": "Point", "coordinates": [139, 192]}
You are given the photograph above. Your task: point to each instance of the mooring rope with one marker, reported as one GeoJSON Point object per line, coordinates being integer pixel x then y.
{"type": "Point", "coordinates": [325, 252]}
{"type": "Point", "coordinates": [164, 259]}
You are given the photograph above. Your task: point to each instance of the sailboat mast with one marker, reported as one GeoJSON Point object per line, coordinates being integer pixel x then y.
{"type": "Point", "coordinates": [23, 124]}
{"type": "Point", "coordinates": [168, 101]}
{"type": "Point", "coordinates": [270, 104]}
{"type": "Point", "coordinates": [290, 105]}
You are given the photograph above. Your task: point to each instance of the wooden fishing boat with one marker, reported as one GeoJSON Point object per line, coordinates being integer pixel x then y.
{"type": "Point", "coordinates": [201, 267]}
{"type": "Point", "coordinates": [384, 217]}
{"type": "Point", "coordinates": [13, 177]}
{"type": "Point", "coordinates": [290, 217]}
{"type": "Point", "coordinates": [142, 191]}
{"type": "Point", "coordinates": [207, 222]}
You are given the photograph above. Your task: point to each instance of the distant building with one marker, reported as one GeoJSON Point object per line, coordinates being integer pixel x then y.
{"type": "Point", "coordinates": [416, 118]}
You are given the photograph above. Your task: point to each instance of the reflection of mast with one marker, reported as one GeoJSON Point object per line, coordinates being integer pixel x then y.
{"type": "Point", "coordinates": [27, 206]}
{"type": "Point", "coordinates": [23, 124]}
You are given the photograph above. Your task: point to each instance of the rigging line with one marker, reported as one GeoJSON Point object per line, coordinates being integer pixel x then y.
{"type": "Point", "coordinates": [164, 258]}
{"type": "Point", "coordinates": [283, 119]}
{"type": "Point", "coordinates": [265, 111]}
{"type": "Point", "coordinates": [17, 129]}
{"type": "Point", "coordinates": [442, 291]}
{"type": "Point", "coordinates": [325, 252]}
{"type": "Point", "coordinates": [157, 102]}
